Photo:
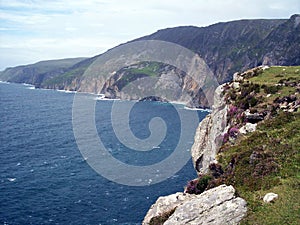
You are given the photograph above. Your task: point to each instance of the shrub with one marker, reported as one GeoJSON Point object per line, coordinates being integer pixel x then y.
{"type": "Point", "coordinates": [232, 110]}
{"type": "Point", "coordinates": [271, 89]}
{"type": "Point", "coordinates": [159, 220]}
{"type": "Point", "coordinates": [233, 132]}
{"type": "Point", "coordinates": [203, 182]}
{"type": "Point", "coordinates": [225, 138]}
{"type": "Point", "coordinates": [191, 187]}
{"type": "Point", "coordinates": [197, 186]}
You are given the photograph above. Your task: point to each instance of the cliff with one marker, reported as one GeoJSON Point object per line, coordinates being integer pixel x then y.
{"type": "Point", "coordinates": [208, 137]}
{"type": "Point", "coordinates": [249, 141]}
{"type": "Point", "coordinates": [224, 47]}
{"type": "Point", "coordinates": [37, 73]}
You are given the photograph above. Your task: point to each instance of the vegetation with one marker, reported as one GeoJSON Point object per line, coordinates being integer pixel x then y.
{"type": "Point", "coordinates": [143, 69]}
{"type": "Point", "coordinates": [150, 69]}
{"type": "Point", "coordinates": [65, 78]}
{"type": "Point", "coordinates": [199, 185]}
{"type": "Point", "coordinates": [159, 220]}
{"type": "Point", "coordinates": [267, 160]}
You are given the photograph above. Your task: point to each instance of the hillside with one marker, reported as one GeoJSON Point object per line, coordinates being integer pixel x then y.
{"type": "Point", "coordinates": [239, 45]}
{"type": "Point", "coordinates": [37, 73]}
{"type": "Point", "coordinates": [268, 159]}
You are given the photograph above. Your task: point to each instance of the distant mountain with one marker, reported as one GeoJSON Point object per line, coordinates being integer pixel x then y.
{"type": "Point", "coordinates": [239, 45]}
{"type": "Point", "coordinates": [37, 73]}
{"type": "Point", "coordinates": [225, 47]}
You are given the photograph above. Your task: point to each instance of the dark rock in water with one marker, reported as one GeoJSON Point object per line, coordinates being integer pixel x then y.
{"type": "Point", "coordinates": [153, 99]}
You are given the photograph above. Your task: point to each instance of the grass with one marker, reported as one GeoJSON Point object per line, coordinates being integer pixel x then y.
{"type": "Point", "coordinates": [276, 75]}
{"type": "Point", "coordinates": [277, 169]}
{"type": "Point", "coordinates": [151, 69]}
{"type": "Point", "coordinates": [268, 160]}
{"type": "Point", "coordinates": [66, 78]}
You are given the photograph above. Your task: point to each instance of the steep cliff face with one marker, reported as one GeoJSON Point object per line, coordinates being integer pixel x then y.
{"type": "Point", "coordinates": [168, 82]}
{"type": "Point", "coordinates": [239, 45]}
{"type": "Point", "coordinates": [209, 133]}
{"type": "Point", "coordinates": [39, 72]}
{"type": "Point", "coordinates": [282, 45]}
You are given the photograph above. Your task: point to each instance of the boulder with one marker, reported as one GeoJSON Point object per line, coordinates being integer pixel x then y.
{"type": "Point", "coordinates": [237, 77]}
{"type": "Point", "coordinates": [166, 204]}
{"type": "Point", "coordinates": [248, 128]}
{"type": "Point", "coordinates": [270, 197]}
{"type": "Point", "coordinates": [215, 206]}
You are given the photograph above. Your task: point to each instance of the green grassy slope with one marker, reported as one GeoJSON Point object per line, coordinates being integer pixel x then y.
{"type": "Point", "coordinates": [268, 160]}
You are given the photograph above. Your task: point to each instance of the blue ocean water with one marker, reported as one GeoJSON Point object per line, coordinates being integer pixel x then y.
{"type": "Point", "coordinates": [45, 180]}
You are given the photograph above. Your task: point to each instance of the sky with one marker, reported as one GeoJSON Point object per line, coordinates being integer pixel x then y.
{"type": "Point", "coordinates": [35, 30]}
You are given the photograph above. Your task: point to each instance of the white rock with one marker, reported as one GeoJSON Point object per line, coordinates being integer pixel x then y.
{"type": "Point", "coordinates": [265, 67]}
{"type": "Point", "coordinates": [207, 138]}
{"type": "Point", "coordinates": [270, 197]}
{"type": "Point", "coordinates": [235, 85]}
{"type": "Point", "coordinates": [215, 206]}
{"type": "Point", "coordinates": [237, 77]}
{"type": "Point", "coordinates": [248, 128]}
{"type": "Point", "coordinates": [165, 204]}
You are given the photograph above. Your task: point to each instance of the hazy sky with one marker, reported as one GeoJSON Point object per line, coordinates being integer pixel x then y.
{"type": "Point", "coordinates": [34, 30]}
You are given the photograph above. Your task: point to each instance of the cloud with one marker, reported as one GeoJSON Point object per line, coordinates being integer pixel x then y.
{"type": "Point", "coordinates": [43, 29]}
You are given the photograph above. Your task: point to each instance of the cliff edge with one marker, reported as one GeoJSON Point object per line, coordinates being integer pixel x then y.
{"type": "Point", "coordinates": [249, 143]}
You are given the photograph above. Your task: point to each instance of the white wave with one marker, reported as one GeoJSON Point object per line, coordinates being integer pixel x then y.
{"type": "Point", "coordinates": [99, 97]}
{"type": "Point", "coordinates": [4, 82]}
{"type": "Point", "coordinates": [106, 99]}
{"type": "Point", "coordinates": [11, 179]}
{"type": "Point", "coordinates": [197, 109]}
{"type": "Point", "coordinates": [25, 84]}
{"type": "Point", "coordinates": [31, 87]}
{"type": "Point", "coordinates": [68, 92]}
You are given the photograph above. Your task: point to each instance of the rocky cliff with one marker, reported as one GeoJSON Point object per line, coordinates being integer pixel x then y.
{"type": "Point", "coordinates": [239, 45]}
{"type": "Point", "coordinates": [36, 74]}
{"type": "Point", "coordinates": [208, 137]}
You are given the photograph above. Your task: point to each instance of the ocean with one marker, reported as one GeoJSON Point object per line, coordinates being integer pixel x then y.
{"type": "Point", "coordinates": [45, 179]}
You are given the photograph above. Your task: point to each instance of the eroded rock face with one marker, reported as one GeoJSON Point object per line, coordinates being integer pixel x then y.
{"type": "Point", "coordinates": [209, 134]}
{"type": "Point", "coordinates": [215, 206]}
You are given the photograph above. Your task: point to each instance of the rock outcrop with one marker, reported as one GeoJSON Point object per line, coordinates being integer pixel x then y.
{"type": "Point", "coordinates": [209, 134]}
{"type": "Point", "coordinates": [270, 197]}
{"type": "Point", "coordinates": [215, 206]}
